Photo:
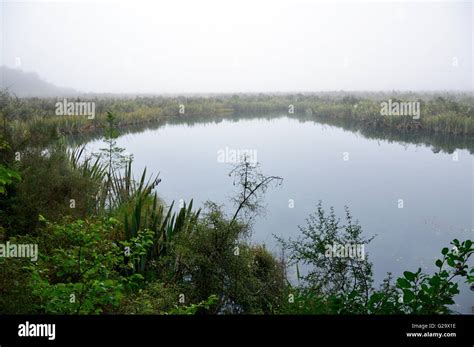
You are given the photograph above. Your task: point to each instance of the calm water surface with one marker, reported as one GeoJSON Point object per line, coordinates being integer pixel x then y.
{"type": "Point", "coordinates": [437, 191]}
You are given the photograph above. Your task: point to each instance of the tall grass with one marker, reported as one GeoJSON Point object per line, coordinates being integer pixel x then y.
{"type": "Point", "coordinates": [452, 113]}
{"type": "Point", "coordinates": [136, 204]}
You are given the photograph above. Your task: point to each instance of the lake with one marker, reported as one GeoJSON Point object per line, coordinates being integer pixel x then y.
{"type": "Point", "coordinates": [414, 196]}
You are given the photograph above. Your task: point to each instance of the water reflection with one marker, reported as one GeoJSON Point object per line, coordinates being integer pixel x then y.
{"type": "Point", "coordinates": [384, 166]}
{"type": "Point", "coordinates": [446, 143]}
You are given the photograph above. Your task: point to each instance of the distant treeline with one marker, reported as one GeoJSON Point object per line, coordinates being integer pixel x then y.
{"type": "Point", "coordinates": [441, 113]}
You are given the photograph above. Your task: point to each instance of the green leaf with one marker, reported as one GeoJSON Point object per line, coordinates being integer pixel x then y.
{"type": "Point", "coordinates": [454, 289]}
{"type": "Point", "coordinates": [439, 263]}
{"type": "Point", "coordinates": [376, 297]}
{"type": "Point", "coordinates": [408, 296]}
{"type": "Point", "coordinates": [409, 276]}
{"type": "Point", "coordinates": [403, 283]}
{"type": "Point", "coordinates": [445, 251]}
{"type": "Point", "coordinates": [435, 281]}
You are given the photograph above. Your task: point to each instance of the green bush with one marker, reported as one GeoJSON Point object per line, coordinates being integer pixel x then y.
{"type": "Point", "coordinates": [343, 285]}
{"type": "Point", "coordinates": [214, 259]}
{"type": "Point", "coordinates": [80, 270]}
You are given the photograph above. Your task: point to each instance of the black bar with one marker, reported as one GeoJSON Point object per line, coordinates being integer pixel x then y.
{"type": "Point", "coordinates": [243, 330]}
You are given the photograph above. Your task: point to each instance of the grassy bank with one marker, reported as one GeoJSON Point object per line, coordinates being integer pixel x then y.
{"type": "Point", "coordinates": [439, 113]}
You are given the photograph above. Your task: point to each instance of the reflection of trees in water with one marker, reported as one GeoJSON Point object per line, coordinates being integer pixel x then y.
{"type": "Point", "coordinates": [437, 142]}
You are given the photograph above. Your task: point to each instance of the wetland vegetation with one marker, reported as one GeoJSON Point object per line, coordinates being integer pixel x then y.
{"type": "Point", "coordinates": [108, 243]}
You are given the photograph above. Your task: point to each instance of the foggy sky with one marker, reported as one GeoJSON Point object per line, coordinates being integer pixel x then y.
{"type": "Point", "coordinates": [185, 46]}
